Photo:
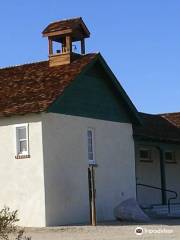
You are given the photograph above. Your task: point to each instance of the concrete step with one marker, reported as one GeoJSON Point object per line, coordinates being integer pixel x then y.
{"type": "Point", "coordinates": [163, 216]}
{"type": "Point", "coordinates": [166, 210]}
{"type": "Point", "coordinates": [161, 211]}
{"type": "Point", "coordinates": [166, 213]}
{"type": "Point", "coordinates": [166, 206]}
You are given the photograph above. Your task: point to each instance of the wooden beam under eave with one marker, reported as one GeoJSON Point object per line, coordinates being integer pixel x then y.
{"type": "Point", "coordinates": [56, 33]}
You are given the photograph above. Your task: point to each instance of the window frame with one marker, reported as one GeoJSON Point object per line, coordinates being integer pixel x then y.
{"type": "Point", "coordinates": [17, 140]}
{"type": "Point", "coordinates": [173, 156]}
{"type": "Point", "coordinates": [149, 159]}
{"type": "Point", "coordinates": [91, 162]}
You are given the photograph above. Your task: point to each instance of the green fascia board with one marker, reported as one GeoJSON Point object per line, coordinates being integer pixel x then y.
{"type": "Point", "coordinates": [156, 143]}
{"type": "Point", "coordinates": [122, 92]}
{"type": "Point", "coordinates": [131, 108]}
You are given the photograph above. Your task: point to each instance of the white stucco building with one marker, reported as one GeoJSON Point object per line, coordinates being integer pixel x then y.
{"type": "Point", "coordinates": [64, 115]}
{"type": "Point", "coordinates": [66, 118]}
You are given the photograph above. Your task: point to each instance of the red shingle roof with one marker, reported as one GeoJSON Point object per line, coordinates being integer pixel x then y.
{"type": "Point", "coordinates": [31, 88]}
{"type": "Point", "coordinates": [174, 118]}
{"type": "Point", "coordinates": [159, 127]}
{"type": "Point", "coordinates": [65, 25]}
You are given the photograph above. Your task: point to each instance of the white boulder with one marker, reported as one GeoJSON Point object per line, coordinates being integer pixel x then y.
{"type": "Point", "coordinates": [129, 210]}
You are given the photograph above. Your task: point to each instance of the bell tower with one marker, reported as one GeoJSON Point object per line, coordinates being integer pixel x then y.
{"type": "Point", "coordinates": [64, 33]}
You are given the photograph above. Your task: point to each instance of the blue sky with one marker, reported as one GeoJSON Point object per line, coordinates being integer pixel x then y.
{"type": "Point", "coordinates": [140, 40]}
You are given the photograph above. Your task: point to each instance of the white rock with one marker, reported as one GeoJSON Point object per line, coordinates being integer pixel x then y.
{"type": "Point", "coordinates": [129, 210]}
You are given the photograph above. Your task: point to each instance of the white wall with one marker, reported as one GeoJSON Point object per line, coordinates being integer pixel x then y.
{"type": "Point", "coordinates": [172, 176]}
{"type": "Point", "coordinates": [66, 167]}
{"type": "Point", "coordinates": [148, 173]}
{"type": "Point", "coordinates": [21, 180]}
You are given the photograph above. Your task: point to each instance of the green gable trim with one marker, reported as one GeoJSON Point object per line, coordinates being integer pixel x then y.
{"type": "Point", "coordinates": [130, 106]}
{"type": "Point", "coordinates": [149, 140]}
{"type": "Point", "coordinates": [97, 97]}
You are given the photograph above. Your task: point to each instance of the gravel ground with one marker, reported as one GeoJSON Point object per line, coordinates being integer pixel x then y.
{"type": "Point", "coordinates": [164, 230]}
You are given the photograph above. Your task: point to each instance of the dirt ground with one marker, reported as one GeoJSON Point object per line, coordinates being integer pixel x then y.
{"type": "Point", "coordinates": [164, 230]}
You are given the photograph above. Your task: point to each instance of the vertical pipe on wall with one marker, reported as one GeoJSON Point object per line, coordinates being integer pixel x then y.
{"type": "Point", "coordinates": [163, 175]}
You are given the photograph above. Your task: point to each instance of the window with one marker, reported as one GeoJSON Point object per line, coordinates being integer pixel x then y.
{"type": "Point", "coordinates": [22, 143]}
{"type": "Point", "coordinates": [145, 155]}
{"type": "Point", "coordinates": [90, 138]}
{"type": "Point", "coordinates": [170, 157]}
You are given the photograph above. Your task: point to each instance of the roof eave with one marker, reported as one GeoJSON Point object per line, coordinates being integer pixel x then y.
{"type": "Point", "coordinates": [131, 106]}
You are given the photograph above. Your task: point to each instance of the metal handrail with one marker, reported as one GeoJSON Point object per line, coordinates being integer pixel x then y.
{"type": "Point", "coordinates": [164, 190]}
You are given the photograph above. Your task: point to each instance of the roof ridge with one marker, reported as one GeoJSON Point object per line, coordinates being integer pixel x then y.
{"type": "Point", "coordinates": [36, 62]}
{"type": "Point", "coordinates": [21, 65]}
{"type": "Point", "coordinates": [160, 114]}
{"type": "Point", "coordinates": [148, 113]}
{"type": "Point", "coordinates": [171, 113]}
{"type": "Point", "coordinates": [65, 19]}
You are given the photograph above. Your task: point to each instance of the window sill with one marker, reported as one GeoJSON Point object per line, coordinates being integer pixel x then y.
{"type": "Point", "coordinates": [93, 165]}
{"type": "Point", "coordinates": [22, 156]}
{"type": "Point", "coordinates": [146, 160]}
{"type": "Point", "coordinates": [170, 162]}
